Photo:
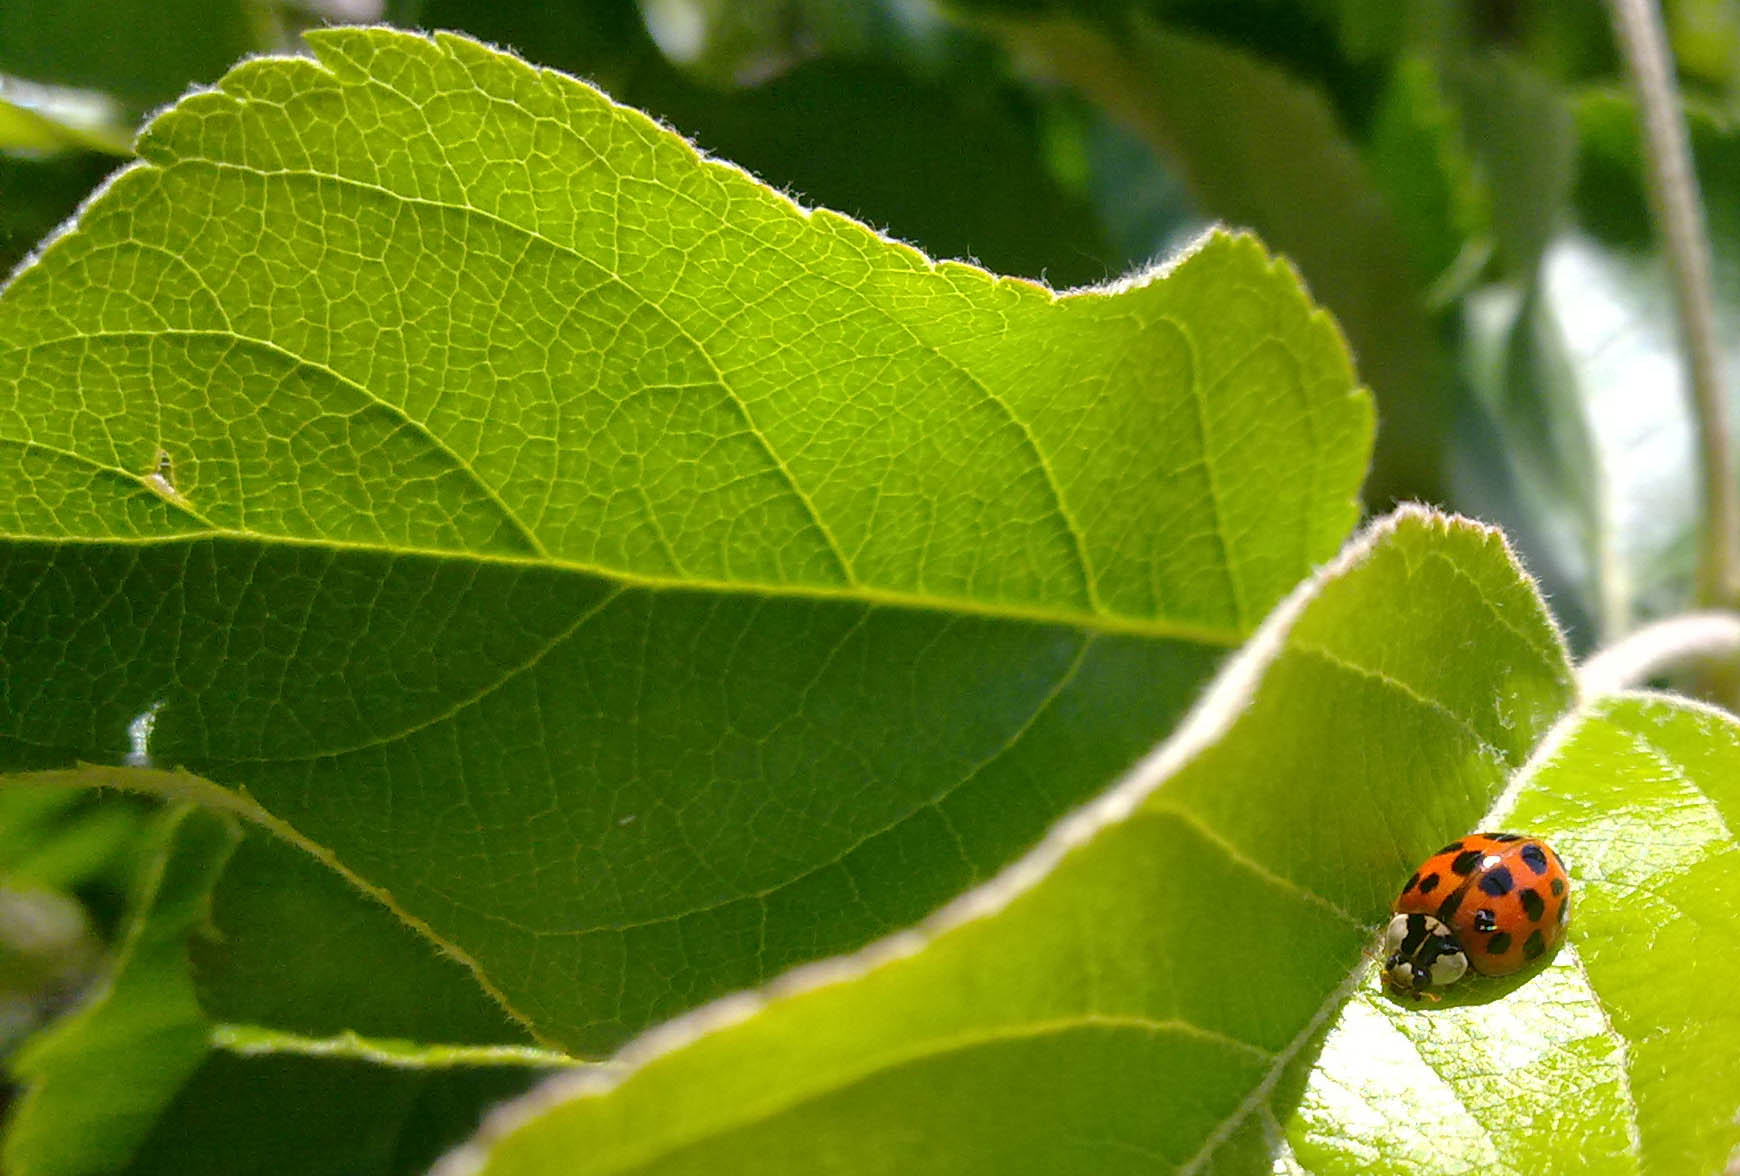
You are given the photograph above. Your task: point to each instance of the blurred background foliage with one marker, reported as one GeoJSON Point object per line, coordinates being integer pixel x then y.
{"type": "Point", "coordinates": [1459, 181]}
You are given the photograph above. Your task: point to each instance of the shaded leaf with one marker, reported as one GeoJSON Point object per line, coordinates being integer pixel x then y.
{"type": "Point", "coordinates": [66, 840]}
{"type": "Point", "coordinates": [138, 1080]}
{"type": "Point", "coordinates": [357, 968]}
{"type": "Point", "coordinates": [141, 51]}
{"type": "Point", "coordinates": [1421, 161]}
{"type": "Point", "coordinates": [276, 1112]}
{"type": "Point", "coordinates": [97, 1080]}
{"type": "Point", "coordinates": [1519, 128]}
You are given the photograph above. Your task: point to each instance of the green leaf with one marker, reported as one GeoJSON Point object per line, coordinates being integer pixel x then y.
{"type": "Point", "coordinates": [1421, 161]}
{"type": "Point", "coordinates": [1518, 126]}
{"type": "Point", "coordinates": [1267, 152]}
{"type": "Point", "coordinates": [97, 1080]}
{"type": "Point", "coordinates": [318, 1115]}
{"type": "Point", "coordinates": [945, 155]}
{"type": "Point", "coordinates": [139, 1080]}
{"type": "Point", "coordinates": [63, 840]}
{"type": "Point", "coordinates": [1132, 996]}
{"type": "Point", "coordinates": [1624, 1056]}
{"type": "Point", "coordinates": [31, 131]}
{"type": "Point", "coordinates": [639, 584]}
{"type": "Point", "coordinates": [141, 51]}
{"type": "Point", "coordinates": [358, 968]}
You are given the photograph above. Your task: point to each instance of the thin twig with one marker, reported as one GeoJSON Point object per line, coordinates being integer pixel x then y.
{"type": "Point", "coordinates": [1673, 196]}
{"type": "Point", "coordinates": [1658, 649]}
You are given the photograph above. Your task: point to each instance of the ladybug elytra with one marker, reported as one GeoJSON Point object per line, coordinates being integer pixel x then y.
{"type": "Point", "coordinates": [1491, 902]}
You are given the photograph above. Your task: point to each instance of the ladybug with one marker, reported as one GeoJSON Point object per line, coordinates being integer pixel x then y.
{"type": "Point", "coordinates": [1492, 902]}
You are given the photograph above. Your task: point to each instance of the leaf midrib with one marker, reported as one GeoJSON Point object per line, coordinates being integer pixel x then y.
{"type": "Point", "coordinates": [1101, 624]}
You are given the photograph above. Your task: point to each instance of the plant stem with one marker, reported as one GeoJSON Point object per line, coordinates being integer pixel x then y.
{"type": "Point", "coordinates": [1673, 195]}
{"type": "Point", "coordinates": [1655, 649]}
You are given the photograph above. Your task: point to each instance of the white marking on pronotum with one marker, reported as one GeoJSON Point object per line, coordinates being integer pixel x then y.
{"type": "Point", "coordinates": [139, 737]}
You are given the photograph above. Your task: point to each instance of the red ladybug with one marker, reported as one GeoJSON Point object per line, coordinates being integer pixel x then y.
{"type": "Point", "coordinates": [1492, 902]}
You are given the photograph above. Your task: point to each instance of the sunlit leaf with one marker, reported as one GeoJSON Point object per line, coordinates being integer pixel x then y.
{"type": "Point", "coordinates": [1622, 1056]}
{"type": "Point", "coordinates": [637, 583]}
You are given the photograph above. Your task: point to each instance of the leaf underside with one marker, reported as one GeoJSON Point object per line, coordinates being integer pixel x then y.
{"type": "Point", "coordinates": [638, 583]}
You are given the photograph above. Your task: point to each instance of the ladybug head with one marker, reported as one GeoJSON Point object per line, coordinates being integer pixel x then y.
{"type": "Point", "coordinates": [1420, 953]}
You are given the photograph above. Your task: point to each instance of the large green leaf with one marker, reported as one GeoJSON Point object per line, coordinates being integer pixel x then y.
{"type": "Point", "coordinates": [1134, 995]}
{"type": "Point", "coordinates": [637, 582]}
{"type": "Point", "coordinates": [1105, 1018]}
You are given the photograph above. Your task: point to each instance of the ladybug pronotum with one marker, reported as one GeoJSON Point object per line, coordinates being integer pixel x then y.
{"type": "Point", "coordinates": [1492, 902]}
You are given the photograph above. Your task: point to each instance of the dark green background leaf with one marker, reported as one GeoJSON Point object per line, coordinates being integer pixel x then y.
{"type": "Point", "coordinates": [143, 51]}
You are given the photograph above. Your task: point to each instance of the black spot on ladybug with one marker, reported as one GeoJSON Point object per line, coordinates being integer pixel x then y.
{"type": "Point", "coordinates": [1498, 882]}
{"type": "Point", "coordinates": [1536, 858]}
{"type": "Point", "coordinates": [1428, 884]}
{"type": "Point", "coordinates": [1451, 848]}
{"type": "Point", "coordinates": [1466, 861]}
{"type": "Point", "coordinates": [1504, 837]}
{"type": "Point", "coordinates": [1533, 905]}
{"type": "Point", "coordinates": [1534, 945]}
{"type": "Point", "coordinates": [1485, 920]}
{"type": "Point", "coordinates": [1558, 887]}
{"type": "Point", "coordinates": [1413, 881]}
{"type": "Point", "coordinates": [1498, 944]}
{"type": "Point", "coordinates": [1447, 908]}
